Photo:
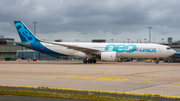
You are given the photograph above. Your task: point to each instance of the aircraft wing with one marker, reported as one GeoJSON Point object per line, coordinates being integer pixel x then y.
{"type": "Point", "coordinates": [86, 50]}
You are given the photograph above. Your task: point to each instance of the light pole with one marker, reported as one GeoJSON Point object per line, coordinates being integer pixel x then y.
{"type": "Point", "coordinates": [77, 40]}
{"type": "Point", "coordinates": [34, 34]}
{"type": "Point", "coordinates": [128, 40]}
{"type": "Point", "coordinates": [162, 40]}
{"type": "Point", "coordinates": [150, 33]}
{"type": "Point", "coordinates": [112, 40]}
{"type": "Point", "coordinates": [34, 28]}
{"type": "Point", "coordinates": [145, 40]}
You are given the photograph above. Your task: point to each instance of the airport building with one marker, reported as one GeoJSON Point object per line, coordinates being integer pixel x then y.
{"type": "Point", "coordinates": [98, 40]}
{"type": "Point", "coordinates": [7, 49]}
{"type": "Point", "coordinates": [31, 54]}
{"type": "Point", "coordinates": [8, 52]}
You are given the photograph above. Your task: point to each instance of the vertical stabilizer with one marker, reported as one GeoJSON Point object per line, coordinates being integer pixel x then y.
{"type": "Point", "coordinates": [24, 33]}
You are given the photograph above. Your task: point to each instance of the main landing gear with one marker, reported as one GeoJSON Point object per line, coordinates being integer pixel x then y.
{"type": "Point", "coordinates": [89, 61]}
{"type": "Point", "coordinates": [84, 61]}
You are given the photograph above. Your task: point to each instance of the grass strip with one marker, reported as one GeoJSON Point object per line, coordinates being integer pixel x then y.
{"type": "Point", "coordinates": [64, 95]}
{"type": "Point", "coordinates": [95, 91]}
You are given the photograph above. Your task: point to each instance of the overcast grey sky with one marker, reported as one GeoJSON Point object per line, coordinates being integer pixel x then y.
{"type": "Point", "coordinates": [93, 19]}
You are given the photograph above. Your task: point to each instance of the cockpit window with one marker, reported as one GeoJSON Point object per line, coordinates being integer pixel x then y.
{"type": "Point", "coordinates": [168, 48]}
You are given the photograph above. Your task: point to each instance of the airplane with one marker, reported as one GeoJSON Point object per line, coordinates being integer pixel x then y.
{"type": "Point", "coordinates": [91, 51]}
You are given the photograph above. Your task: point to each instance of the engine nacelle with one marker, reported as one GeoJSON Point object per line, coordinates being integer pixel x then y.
{"type": "Point", "coordinates": [108, 56]}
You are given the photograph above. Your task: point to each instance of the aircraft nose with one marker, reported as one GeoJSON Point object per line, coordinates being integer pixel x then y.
{"type": "Point", "coordinates": [173, 51]}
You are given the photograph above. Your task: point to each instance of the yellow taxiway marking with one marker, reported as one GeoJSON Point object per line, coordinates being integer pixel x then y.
{"type": "Point", "coordinates": [151, 82]}
{"type": "Point", "coordinates": [143, 73]}
{"type": "Point", "coordinates": [91, 78]}
{"type": "Point", "coordinates": [113, 79]}
{"type": "Point", "coordinates": [89, 90]}
{"type": "Point", "coordinates": [80, 77]}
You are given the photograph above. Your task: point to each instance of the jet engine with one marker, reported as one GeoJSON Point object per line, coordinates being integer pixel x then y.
{"type": "Point", "coordinates": [108, 56]}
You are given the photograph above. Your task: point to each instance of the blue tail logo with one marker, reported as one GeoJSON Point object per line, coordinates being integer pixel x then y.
{"type": "Point", "coordinates": [24, 33]}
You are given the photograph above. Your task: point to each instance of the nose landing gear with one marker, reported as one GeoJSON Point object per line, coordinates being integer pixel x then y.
{"type": "Point", "coordinates": [157, 61]}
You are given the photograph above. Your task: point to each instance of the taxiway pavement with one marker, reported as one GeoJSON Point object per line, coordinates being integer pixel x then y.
{"type": "Point", "coordinates": [128, 77]}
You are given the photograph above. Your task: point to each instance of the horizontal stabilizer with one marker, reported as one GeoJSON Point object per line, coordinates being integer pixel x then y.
{"type": "Point", "coordinates": [19, 43]}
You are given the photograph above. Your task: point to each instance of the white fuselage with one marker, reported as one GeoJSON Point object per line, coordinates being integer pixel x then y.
{"type": "Point", "coordinates": [123, 50]}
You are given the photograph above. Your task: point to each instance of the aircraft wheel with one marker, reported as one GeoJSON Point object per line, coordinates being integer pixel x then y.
{"type": "Point", "coordinates": [89, 61]}
{"type": "Point", "coordinates": [94, 61]}
{"type": "Point", "coordinates": [157, 62]}
{"type": "Point", "coordinates": [84, 61]}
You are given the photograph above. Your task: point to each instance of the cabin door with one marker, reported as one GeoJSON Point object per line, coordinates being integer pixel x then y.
{"type": "Point", "coordinates": [159, 49]}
